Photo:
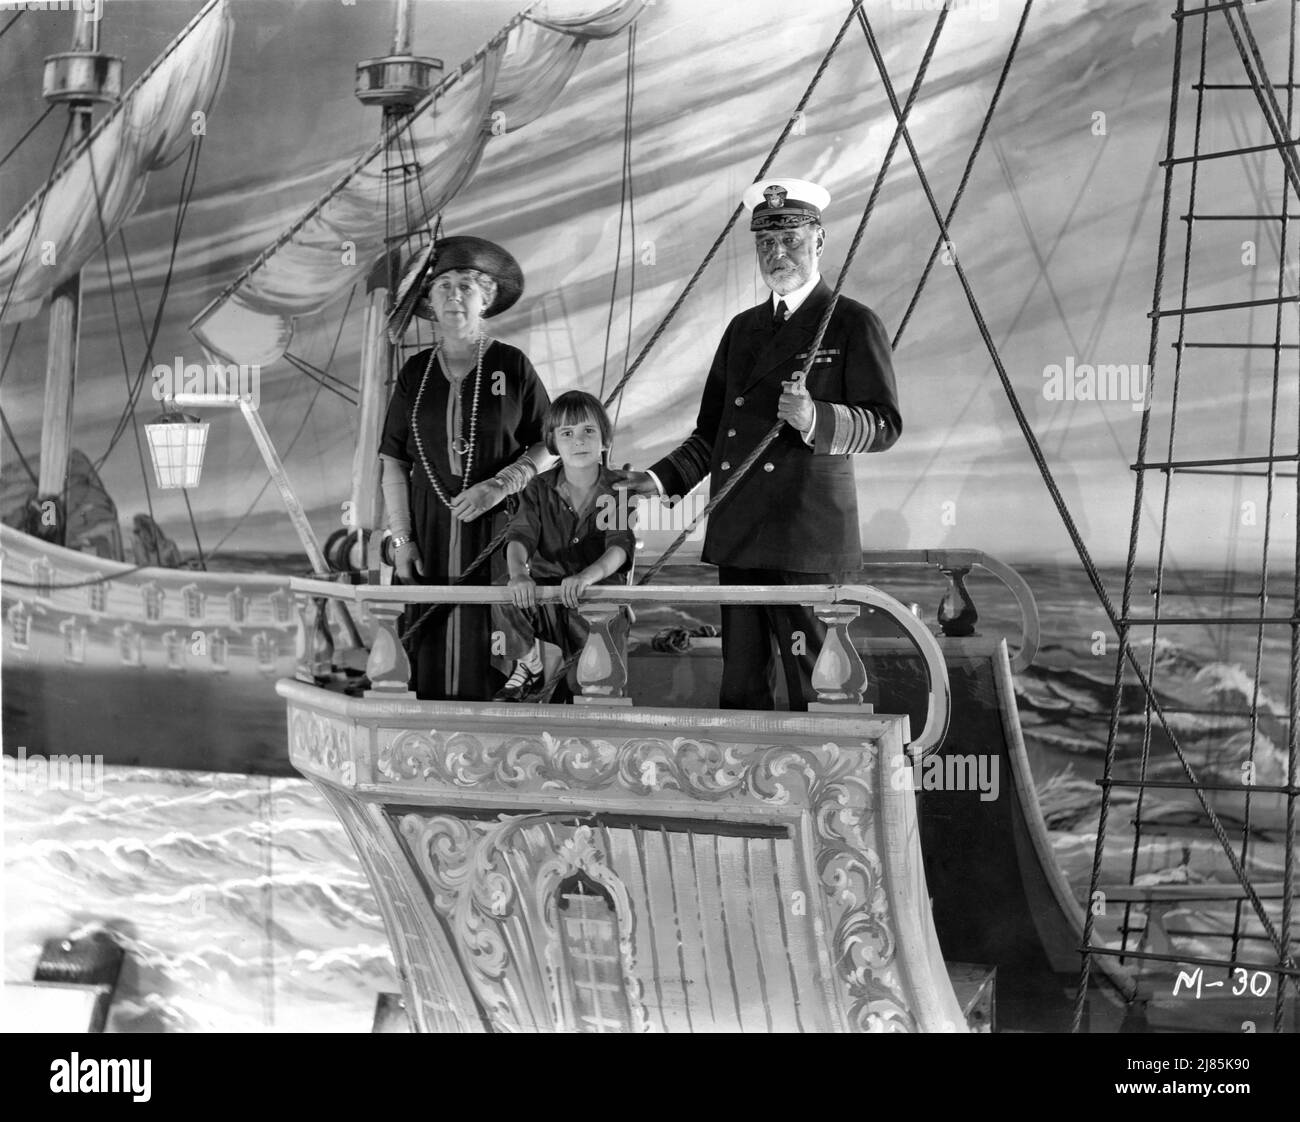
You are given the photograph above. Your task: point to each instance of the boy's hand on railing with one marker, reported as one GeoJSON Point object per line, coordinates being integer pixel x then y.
{"type": "Point", "coordinates": [523, 591]}
{"type": "Point", "coordinates": [408, 563]}
{"type": "Point", "coordinates": [572, 588]}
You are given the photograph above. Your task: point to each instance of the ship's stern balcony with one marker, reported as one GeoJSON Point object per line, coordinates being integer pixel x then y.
{"type": "Point", "coordinates": [614, 867]}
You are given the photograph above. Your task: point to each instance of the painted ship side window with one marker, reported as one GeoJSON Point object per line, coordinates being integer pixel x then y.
{"type": "Point", "coordinates": [589, 942]}
{"type": "Point", "coordinates": [174, 646]}
{"type": "Point", "coordinates": [20, 626]}
{"type": "Point", "coordinates": [43, 577]}
{"type": "Point", "coordinates": [194, 599]}
{"type": "Point", "coordinates": [153, 601]}
{"type": "Point", "coordinates": [97, 596]}
{"type": "Point", "coordinates": [266, 650]}
{"type": "Point", "coordinates": [218, 650]}
{"type": "Point", "coordinates": [130, 647]}
{"type": "Point", "coordinates": [74, 640]}
{"type": "Point", "coordinates": [238, 606]}
{"type": "Point", "coordinates": [281, 606]}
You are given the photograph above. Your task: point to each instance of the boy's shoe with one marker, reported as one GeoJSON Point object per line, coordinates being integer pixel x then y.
{"type": "Point", "coordinates": [519, 685]}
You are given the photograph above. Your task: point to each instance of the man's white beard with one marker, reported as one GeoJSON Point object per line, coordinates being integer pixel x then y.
{"type": "Point", "coordinates": [784, 283]}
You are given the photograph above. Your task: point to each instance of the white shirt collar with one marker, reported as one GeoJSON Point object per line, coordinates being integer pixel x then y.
{"type": "Point", "coordinates": [798, 296]}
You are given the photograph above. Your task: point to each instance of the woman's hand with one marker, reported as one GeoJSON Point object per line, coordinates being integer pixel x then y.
{"type": "Point", "coordinates": [572, 588]}
{"type": "Point", "coordinates": [408, 563]}
{"type": "Point", "coordinates": [476, 500]}
{"type": "Point", "coordinates": [523, 591]}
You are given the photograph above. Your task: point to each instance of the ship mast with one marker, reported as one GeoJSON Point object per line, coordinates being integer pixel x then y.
{"type": "Point", "coordinates": [78, 78]}
{"type": "Point", "coordinates": [397, 82]}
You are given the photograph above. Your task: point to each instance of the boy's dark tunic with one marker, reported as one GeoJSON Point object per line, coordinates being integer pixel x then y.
{"type": "Point", "coordinates": [794, 518]}
{"type": "Point", "coordinates": [561, 542]}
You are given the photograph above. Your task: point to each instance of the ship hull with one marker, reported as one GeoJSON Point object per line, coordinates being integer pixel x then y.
{"type": "Point", "coordinates": [152, 667]}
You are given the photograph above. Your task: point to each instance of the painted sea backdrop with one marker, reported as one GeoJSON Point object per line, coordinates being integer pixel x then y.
{"type": "Point", "coordinates": [242, 908]}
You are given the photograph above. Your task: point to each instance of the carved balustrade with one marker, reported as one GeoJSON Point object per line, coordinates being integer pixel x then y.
{"type": "Point", "coordinates": [839, 677]}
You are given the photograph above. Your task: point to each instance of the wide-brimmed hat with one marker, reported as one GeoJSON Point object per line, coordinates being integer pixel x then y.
{"type": "Point", "coordinates": [461, 252]}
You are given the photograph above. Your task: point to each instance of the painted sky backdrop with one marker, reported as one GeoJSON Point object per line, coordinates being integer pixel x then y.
{"type": "Point", "coordinates": [1057, 233]}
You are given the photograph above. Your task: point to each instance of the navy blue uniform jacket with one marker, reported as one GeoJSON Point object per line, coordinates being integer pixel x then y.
{"type": "Point", "coordinates": [797, 509]}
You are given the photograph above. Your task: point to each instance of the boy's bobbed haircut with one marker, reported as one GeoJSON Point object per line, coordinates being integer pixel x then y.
{"type": "Point", "coordinates": [570, 408]}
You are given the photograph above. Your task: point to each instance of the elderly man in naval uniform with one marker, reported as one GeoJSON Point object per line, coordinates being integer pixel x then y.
{"type": "Point", "coordinates": [794, 518]}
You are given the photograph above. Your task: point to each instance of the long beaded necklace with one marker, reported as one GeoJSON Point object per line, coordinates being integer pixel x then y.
{"type": "Point", "coordinates": [468, 451]}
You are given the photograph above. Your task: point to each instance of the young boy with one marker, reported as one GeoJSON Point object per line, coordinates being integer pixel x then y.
{"type": "Point", "coordinates": [566, 532]}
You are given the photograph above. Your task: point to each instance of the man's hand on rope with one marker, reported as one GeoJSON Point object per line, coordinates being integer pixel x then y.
{"type": "Point", "coordinates": [477, 500]}
{"type": "Point", "coordinates": [795, 407]}
{"type": "Point", "coordinates": [408, 563]}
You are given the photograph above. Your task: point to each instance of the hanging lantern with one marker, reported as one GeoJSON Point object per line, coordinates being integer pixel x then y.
{"type": "Point", "coordinates": [176, 445]}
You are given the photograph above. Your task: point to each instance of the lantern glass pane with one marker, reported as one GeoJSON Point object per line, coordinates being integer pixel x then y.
{"type": "Point", "coordinates": [177, 451]}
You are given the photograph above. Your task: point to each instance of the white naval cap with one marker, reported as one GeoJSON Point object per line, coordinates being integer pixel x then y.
{"type": "Point", "coordinates": [781, 202]}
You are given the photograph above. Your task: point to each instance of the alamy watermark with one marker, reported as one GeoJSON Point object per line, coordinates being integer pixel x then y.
{"type": "Point", "coordinates": [75, 773]}
{"type": "Point", "coordinates": [951, 771]}
{"type": "Point", "coordinates": [213, 380]}
{"type": "Point", "coordinates": [1114, 381]}
{"type": "Point", "coordinates": [987, 10]}
{"type": "Point", "coordinates": [650, 514]}
{"type": "Point", "coordinates": [93, 9]}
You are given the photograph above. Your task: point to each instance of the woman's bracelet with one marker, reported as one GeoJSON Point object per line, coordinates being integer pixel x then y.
{"type": "Point", "coordinates": [400, 540]}
{"type": "Point", "coordinates": [515, 477]}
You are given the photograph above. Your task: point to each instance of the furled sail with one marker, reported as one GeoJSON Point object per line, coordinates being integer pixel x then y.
{"type": "Point", "coordinates": [150, 127]}
{"type": "Point", "coordinates": [512, 81]}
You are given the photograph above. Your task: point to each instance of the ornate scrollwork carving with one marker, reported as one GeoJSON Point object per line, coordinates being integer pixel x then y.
{"type": "Point", "coordinates": [321, 744]}
{"type": "Point", "coordinates": [835, 785]}
{"type": "Point", "coordinates": [508, 937]}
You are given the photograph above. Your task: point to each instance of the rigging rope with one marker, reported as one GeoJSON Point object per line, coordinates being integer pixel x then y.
{"type": "Point", "coordinates": [198, 545]}
{"type": "Point", "coordinates": [4, 367]}
{"type": "Point", "coordinates": [735, 214]}
{"type": "Point", "coordinates": [409, 633]}
{"type": "Point", "coordinates": [302, 426]}
{"type": "Point", "coordinates": [1081, 548]}
{"type": "Point", "coordinates": [14, 441]}
{"type": "Point", "coordinates": [966, 171]}
{"type": "Point", "coordinates": [35, 125]}
{"type": "Point", "coordinates": [135, 288]}
{"type": "Point", "coordinates": [188, 181]}
{"type": "Point", "coordinates": [631, 222]}
{"type": "Point", "coordinates": [748, 463]}
{"type": "Point", "coordinates": [10, 583]}
{"type": "Point", "coordinates": [324, 379]}
{"type": "Point", "coordinates": [625, 170]}
{"type": "Point", "coordinates": [1289, 848]}
{"type": "Point", "coordinates": [117, 324]}
{"type": "Point", "coordinates": [1264, 94]}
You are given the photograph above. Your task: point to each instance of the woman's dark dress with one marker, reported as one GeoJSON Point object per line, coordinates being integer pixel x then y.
{"type": "Point", "coordinates": [452, 654]}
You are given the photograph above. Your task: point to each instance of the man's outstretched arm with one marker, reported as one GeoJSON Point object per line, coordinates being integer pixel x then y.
{"type": "Point", "coordinates": [682, 470]}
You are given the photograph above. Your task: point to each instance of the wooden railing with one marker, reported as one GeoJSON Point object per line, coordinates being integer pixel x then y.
{"type": "Point", "coordinates": [839, 677]}
{"type": "Point", "coordinates": [957, 614]}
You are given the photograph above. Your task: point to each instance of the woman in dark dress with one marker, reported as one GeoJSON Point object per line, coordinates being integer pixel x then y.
{"type": "Point", "coordinates": [463, 431]}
